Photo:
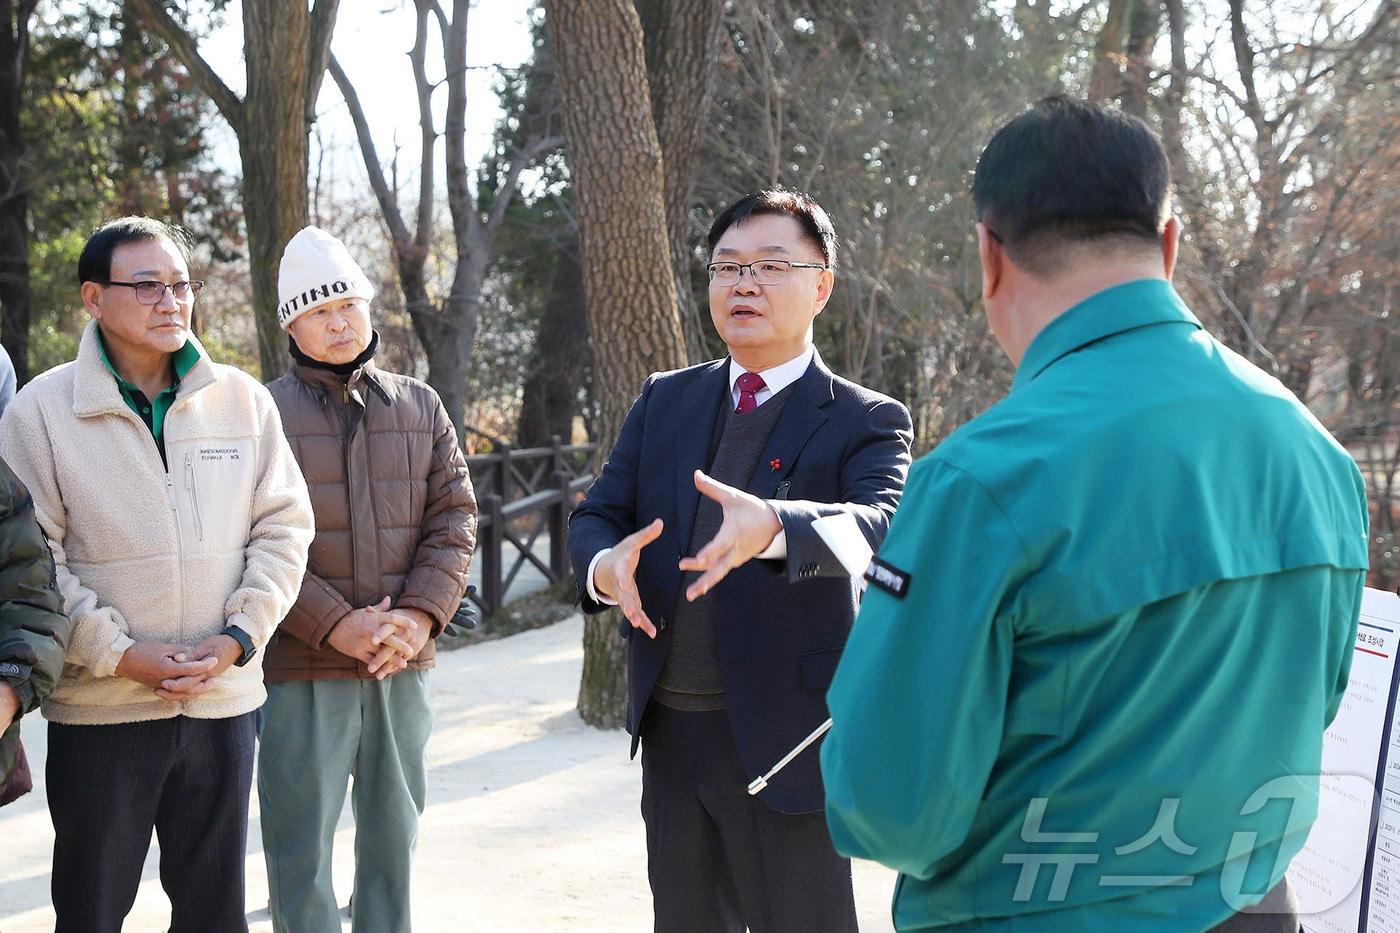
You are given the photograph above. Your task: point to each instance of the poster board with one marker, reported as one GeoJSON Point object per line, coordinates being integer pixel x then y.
{"type": "Point", "coordinates": [1347, 876]}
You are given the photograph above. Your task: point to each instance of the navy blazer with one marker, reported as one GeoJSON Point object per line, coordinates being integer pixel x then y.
{"type": "Point", "coordinates": [780, 626]}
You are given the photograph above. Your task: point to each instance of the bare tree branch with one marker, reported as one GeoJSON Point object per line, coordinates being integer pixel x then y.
{"type": "Point", "coordinates": [16, 45]}
{"type": "Point", "coordinates": [441, 17]}
{"type": "Point", "coordinates": [187, 50]}
{"type": "Point", "coordinates": [1244, 61]}
{"type": "Point", "coordinates": [520, 161]}
{"type": "Point", "coordinates": [388, 200]}
{"type": "Point", "coordinates": [319, 53]}
{"type": "Point", "coordinates": [466, 223]}
{"type": "Point", "coordinates": [835, 115]}
{"type": "Point", "coordinates": [1347, 55]}
{"type": "Point", "coordinates": [427, 132]}
{"type": "Point", "coordinates": [1220, 86]}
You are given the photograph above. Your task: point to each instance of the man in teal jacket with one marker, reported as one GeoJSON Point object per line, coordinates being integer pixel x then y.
{"type": "Point", "coordinates": [1114, 614]}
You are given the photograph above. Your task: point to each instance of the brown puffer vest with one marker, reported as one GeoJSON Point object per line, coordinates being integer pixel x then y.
{"type": "Point", "coordinates": [395, 511]}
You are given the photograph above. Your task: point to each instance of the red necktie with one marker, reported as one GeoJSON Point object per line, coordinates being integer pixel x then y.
{"type": "Point", "coordinates": [749, 384]}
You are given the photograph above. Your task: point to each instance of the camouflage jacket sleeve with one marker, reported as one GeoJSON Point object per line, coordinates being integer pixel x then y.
{"type": "Point", "coordinates": [33, 628]}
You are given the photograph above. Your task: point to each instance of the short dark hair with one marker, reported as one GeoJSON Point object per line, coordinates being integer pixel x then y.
{"type": "Point", "coordinates": [95, 261]}
{"type": "Point", "coordinates": [816, 225]}
{"type": "Point", "coordinates": [1070, 171]}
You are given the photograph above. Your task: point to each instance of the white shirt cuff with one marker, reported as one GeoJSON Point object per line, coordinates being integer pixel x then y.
{"type": "Point", "coordinates": [593, 593]}
{"type": "Point", "coordinates": [777, 548]}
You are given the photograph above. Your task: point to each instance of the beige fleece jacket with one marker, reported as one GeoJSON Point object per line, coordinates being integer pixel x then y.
{"type": "Point", "coordinates": [149, 553]}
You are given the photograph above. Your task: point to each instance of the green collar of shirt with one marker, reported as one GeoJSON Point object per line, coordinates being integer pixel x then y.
{"type": "Point", "coordinates": [152, 411]}
{"type": "Point", "coordinates": [1140, 303]}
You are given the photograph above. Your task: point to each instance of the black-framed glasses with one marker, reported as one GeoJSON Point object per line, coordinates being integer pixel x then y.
{"type": "Point", "coordinates": [762, 271]}
{"type": "Point", "coordinates": [995, 236]}
{"type": "Point", "coordinates": [153, 292]}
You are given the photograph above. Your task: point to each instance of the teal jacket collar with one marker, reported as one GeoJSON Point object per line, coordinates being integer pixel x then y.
{"type": "Point", "coordinates": [1140, 303]}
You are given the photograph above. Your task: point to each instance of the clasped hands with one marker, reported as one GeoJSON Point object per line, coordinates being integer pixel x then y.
{"type": "Point", "coordinates": [749, 526]}
{"type": "Point", "coordinates": [384, 639]}
{"type": "Point", "coordinates": [177, 672]}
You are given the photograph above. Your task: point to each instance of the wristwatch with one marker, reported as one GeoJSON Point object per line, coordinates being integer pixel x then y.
{"type": "Point", "coordinates": [245, 641]}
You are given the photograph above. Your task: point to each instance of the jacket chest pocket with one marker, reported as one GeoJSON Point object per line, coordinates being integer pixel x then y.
{"type": "Point", "coordinates": [214, 484]}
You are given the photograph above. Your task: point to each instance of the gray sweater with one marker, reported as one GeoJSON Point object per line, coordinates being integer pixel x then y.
{"type": "Point", "coordinates": [690, 678]}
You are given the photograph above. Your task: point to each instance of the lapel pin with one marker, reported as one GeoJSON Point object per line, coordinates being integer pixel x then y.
{"type": "Point", "coordinates": [775, 464]}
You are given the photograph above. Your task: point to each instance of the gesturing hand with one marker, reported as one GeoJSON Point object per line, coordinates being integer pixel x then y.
{"type": "Point", "coordinates": [616, 575]}
{"type": "Point", "coordinates": [749, 526]}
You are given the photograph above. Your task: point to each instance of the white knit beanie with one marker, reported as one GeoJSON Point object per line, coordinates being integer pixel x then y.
{"type": "Point", "coordinates": [316, 268]}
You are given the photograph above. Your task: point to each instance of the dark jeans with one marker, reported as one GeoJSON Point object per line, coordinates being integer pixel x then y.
{"type": "Point", "coordinates": [720, 860]}
{"type": "Point", "coordinates": [108, 786]}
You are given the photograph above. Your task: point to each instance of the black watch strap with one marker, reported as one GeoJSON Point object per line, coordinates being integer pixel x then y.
{"type": "Point", "coordinates": [245, 641]}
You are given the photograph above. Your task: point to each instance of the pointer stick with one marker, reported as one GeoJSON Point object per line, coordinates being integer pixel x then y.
{"type": "Point", "coordinates": [759, 783]}
{"type": "Point", "coordinates": [847, 543]}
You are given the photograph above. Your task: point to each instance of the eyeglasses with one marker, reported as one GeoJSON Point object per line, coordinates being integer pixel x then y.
{"type": "Point", "coordinates": [762, 271]}
{"type": "Point", "coordinates": [153, 293]}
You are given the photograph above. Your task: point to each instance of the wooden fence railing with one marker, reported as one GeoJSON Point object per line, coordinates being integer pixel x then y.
{"type": "Point", "coordinates": [523, 494]}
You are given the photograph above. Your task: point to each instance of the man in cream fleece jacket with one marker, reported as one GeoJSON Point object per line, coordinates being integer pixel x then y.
{"type": "Point", "coordinates": [179, 524]}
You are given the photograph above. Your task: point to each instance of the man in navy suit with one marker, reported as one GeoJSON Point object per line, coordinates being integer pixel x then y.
{"type": "Point", "coordinates": [736, 611]}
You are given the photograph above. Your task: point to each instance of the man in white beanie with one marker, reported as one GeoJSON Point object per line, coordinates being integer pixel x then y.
{"type": "Point", "coordinates": [179, 526]}
{"type": "Point", "coordinates": [347, 670]}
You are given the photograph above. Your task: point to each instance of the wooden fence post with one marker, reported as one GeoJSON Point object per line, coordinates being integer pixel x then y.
{"type": "Point", "coordinates": [559, 527]}
{"type": "Point", "coordinates": [556, 457]}
{"type": "Point", "coordinates": [491, 593]}
{"type": "Point", "coordinates": [503, 476]}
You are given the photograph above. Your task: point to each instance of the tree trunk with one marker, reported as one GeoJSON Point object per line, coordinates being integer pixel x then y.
{"type": "Point", "coordinates": [617, 169]}
{"type": "Point", "coordinates": [464, 315]}
{"type": "Point", "coordinates": [14, 199]}
{"type": "Point", "coordinates": [602, 689]}
{"type": "Point", "coordinates": [1172, 138]}
{"type": "Point", "coordinates": [1107, 82]}
{"type": "Point", "coordinates": [273, 145]}
{"type": "Point", "coordinates": [447, 362]}
{"type": "Point", "coordinates": [633, 325]}
{"type": "Point", "coordinates": [1146, 24]}
{"type": "Point", "coordinates": [549, 399]}
{"type": "Point", "coordinates": [14, 273]}
{"type": "Point", "coordinates": [286, 48]}
{"type": "Point", "coordinates": [1187, 197]}
{"type": "Point", "coordinates": [682, 40]}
